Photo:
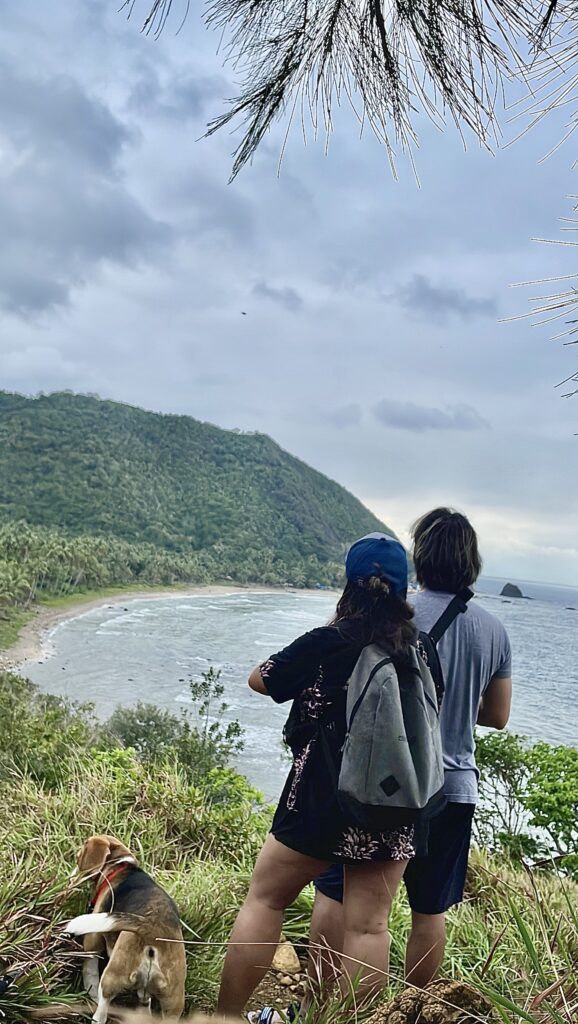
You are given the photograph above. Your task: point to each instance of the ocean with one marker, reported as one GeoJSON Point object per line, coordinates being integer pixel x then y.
{"type": "Point", "coordinates": [147, 648]}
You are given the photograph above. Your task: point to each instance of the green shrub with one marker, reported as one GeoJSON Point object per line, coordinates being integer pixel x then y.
{"type": "Point", "coordinates": [39, 732]}
{"type": "Point", "coordinates": [150, 731]}
{"type": "Point", "coordinates": [528, 800]}
{"type": "Point", "coordinates": [551, 800]}
{"type": "Point", "coordinates": [196, 738]}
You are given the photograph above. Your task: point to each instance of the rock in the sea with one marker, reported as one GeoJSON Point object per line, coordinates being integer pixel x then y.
{"type": "Point", "coordinates": [286, 960]}
{"type": "Point", "coordinates": [511, 590]}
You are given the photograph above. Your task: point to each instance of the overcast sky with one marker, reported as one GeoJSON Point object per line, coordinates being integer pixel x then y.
{"type": "Point", "coordinates": [370, 347]}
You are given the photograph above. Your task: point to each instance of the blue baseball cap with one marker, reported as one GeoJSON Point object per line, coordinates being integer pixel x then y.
{"type": "Point", "coordinates": [378, 555]}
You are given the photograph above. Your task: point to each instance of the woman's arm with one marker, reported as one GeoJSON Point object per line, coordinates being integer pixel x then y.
{"type": "Point", "coordinates": [284, 675]}
{"type": "Point", "coordinates": [256, 682]}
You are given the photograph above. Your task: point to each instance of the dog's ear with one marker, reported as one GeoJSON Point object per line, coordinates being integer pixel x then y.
{"type": "Point", "coordinates": [93, 855]}
{"type": "Point", "coordinates": [118, 849]}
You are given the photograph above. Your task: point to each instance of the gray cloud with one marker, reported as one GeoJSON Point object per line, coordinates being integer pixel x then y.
{"type": "Point", "coordinates": [63, 205]}
{"type": "Point", "coordinates": [287, 297]}
{"type": "Point", "coordinates": [57, 120]}
{"type": "Point", "coordinates": [419, 418]}
{"type": "Point", "coordinates": [438, 303]}
{"type": "Point", "coordinates": [110, 208]}
{"type": "Point", "coordinates": [24, 292]}
{"type": "Point", "coordinates": [345, 415]}
{"type": "Point", "coordinates": [183, 97]}
{"type": "Point", "coordinates": [205, 209]}
{"type": "Point", "coordinates": [213, 380]}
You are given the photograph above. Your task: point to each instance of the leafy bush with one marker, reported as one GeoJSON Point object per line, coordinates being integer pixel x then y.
{"type": "Point", "coordinates": [528, 800]}
{"type": "Point", "coordinates": [197, 739]}
{"type": "Point", "coordinates": [207, 696]}
{"type": "Point", "coordinates": [38, 732]}
{"type": "Point", "coordinates": [551, 800]}
{"type": "Point", "coordinates": [223, 785]}
{"type": "Point", "coordinates": [150, 731]}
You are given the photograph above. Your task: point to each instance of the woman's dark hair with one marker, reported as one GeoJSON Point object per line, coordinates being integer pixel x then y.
{"type": "Point", "coordinates": [370, 612]}
{"type": "Point", "coordinates": [445, 551]}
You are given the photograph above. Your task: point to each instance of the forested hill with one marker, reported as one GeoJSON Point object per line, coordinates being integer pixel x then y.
{"type": "Point", "coordinates": [100, 467]}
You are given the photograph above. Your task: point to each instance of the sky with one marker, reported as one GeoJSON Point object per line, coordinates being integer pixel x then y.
{"type": "Point", "coordinates": [352, 317]}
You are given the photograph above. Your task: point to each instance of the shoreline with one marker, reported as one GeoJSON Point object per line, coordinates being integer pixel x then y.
{"type": "Point", "coordinates": [30, 645]}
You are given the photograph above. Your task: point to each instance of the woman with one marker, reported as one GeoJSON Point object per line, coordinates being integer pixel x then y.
{"type": "Point", "coordinates": [309, 830]}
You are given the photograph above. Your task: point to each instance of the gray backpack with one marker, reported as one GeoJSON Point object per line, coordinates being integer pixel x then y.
{"type": "Point", "coordinates": [392, 770]}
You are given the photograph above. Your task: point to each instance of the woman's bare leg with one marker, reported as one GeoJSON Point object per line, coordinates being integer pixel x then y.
{"type": "Point", "coordinates": [325, 946]}
{"type": "Point", "coordinates": [369, 892]}
{"type": "Point", "coordinates": [278, 877]}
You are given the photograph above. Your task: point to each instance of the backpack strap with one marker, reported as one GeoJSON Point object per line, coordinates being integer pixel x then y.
{"type": "Point", "coordinates": [457, 605]}
{"type": "Point", "coordinates": [360, 699]}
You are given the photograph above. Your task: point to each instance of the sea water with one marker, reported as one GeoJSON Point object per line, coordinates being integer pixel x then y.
{"type": "Point", "coordinates": [148, 648]}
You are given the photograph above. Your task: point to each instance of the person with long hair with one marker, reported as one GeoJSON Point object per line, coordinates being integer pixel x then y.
{"type": "Point", "coordinates": [476, 661]}
{"type": "Point", "coordinates": [309, 830]}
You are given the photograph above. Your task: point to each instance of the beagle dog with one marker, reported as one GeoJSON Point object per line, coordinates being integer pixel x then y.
{"type": "Point", "coordinates": [130, 917]}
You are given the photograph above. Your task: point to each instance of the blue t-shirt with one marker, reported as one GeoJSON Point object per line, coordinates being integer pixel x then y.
{"type": "Point", "coordinates": [473, 651]}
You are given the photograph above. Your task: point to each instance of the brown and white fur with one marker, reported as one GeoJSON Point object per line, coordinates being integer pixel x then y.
{"type": "Point", "coordinates": [130, 917]}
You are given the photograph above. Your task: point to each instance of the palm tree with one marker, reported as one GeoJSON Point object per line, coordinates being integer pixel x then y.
{"type": "Point", "coordinates": [388, 58]}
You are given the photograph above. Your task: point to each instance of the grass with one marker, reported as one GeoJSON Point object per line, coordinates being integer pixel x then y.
{"type": "Point", "coordinates": [514, 938]}
{"type": "Point", "coordinates": [85, 596]}
{"type": "Point", "coordinates": [10, 627]}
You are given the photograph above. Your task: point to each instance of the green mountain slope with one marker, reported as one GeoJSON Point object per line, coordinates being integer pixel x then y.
{"type": "Point", "coordinates": [100, 467]}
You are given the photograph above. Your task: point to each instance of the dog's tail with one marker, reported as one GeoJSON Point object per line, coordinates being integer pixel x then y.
{"type": "Point", "coordinates": [88, 924]}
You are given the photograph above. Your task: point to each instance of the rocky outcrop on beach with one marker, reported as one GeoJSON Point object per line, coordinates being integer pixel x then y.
{"type": "Point", "coordinates": [511, 590]}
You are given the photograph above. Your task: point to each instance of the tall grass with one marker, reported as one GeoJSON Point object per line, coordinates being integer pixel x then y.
{"type": "Point", "coordinates": [515, 936]}
{"type": "Point", "coordinates": [201, 852]}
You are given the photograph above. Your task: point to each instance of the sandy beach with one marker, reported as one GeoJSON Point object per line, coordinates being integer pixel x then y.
{"type": "Point", "coordinates": [33, 635]}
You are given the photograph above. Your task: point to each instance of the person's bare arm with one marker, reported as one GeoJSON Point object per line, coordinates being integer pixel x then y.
{"type": "Point", "coordinates": [257, 683]}
{"type": "Point", "coordinates": [494, 710]}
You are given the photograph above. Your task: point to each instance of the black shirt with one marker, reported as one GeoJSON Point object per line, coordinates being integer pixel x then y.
{"type": "Point", "coordinates": [313, 672]}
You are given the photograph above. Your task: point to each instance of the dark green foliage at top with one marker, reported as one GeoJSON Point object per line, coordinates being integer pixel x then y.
{"type": "Point", "coordinates": [95, 466]}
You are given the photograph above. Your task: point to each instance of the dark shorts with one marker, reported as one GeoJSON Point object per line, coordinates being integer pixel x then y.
{"type": "Point", "coordinates": [436, 882]}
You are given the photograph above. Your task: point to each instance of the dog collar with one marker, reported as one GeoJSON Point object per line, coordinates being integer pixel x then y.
{"type": "Point", "coordinates": [105, 884]}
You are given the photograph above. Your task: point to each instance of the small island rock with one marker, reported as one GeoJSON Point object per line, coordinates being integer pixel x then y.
{"type": "Point", "coordinates": [511, 590]}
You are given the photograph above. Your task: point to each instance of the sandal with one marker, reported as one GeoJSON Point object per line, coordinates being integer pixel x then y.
{"type": "Point", "coordinates": [269, 1015]}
